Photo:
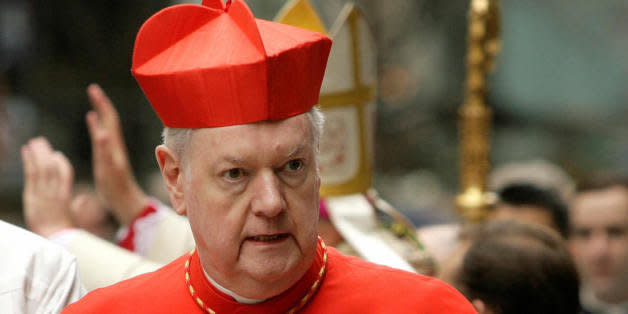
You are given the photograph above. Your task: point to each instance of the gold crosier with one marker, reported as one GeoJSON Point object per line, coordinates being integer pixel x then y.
{"type": "Point", "coordinates": [360, 98]}
{"type": "Point", "coordinates": [483, 44]}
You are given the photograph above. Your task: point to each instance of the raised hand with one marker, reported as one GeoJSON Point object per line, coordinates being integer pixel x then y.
{"type": "Point", "coordinates": [48, 180]}
{"type": "Point", "coordinates": [113, 175]}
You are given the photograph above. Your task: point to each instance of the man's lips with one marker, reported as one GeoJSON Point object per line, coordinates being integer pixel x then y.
{"type": "Point", "coordinates": [602, 272]}
{"type": "Point", "coordinates": [268, 237]}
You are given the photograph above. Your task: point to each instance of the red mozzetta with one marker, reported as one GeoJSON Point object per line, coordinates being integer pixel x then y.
{"type": "Point", "coordinates": [348, 285]}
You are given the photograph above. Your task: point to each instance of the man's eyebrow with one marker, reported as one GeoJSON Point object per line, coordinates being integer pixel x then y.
{"type": "Point", "coordinates": [233, 160]}
{"type": "Point", "coordinates": [296, 150]}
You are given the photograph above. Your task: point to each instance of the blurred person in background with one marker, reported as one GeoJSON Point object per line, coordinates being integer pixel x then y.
{"type": "Point", "coordinates": [537, 172]}
{"type": "Point", "coordinates": [536, 178]}
{"type": "Point", "coordinates": [521, 202]}
{"type": "Point", "coordinates": [525, 202]}
{"type": "Point", "coordinates": [86, 225]}
{"type": "Point", "coordinates": [36, 276]}
{"type": "Point", "coordinates": [509, 267]}
{"type": "Point", "coordinates": [145, 222]}
{"type": "Point", "coordinates": [599, 244]}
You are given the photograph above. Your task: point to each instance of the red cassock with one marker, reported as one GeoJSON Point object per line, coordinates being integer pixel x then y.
{"type": "Point", "coordinates": [335, 283]}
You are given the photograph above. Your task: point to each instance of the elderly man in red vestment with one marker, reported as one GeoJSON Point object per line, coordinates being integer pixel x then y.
{"type": "Point", "coordinates": [237, 97]}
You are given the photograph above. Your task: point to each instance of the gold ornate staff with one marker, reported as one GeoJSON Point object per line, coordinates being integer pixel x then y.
{"type": "Point", "coordinates": [482, 47]}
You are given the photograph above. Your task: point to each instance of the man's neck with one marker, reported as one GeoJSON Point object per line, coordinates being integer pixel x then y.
{"type": "Point", "coordinates": [592, 303]}
{"type": "Point", "coordinates": [257, 289]}
{"type": "Point", "coordinates": [234, 295]}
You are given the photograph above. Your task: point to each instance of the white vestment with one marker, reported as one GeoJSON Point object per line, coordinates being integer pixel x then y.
{"type": "Point", "coordinates": [36, 276]}
{"type": "Point", "coordinates": [158, 238]}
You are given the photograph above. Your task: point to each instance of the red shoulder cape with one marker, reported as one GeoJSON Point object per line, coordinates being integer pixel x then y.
{"type": "Point", "coordinates": [350, 285]}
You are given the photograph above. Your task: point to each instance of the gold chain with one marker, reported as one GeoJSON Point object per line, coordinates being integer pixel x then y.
{"type": "Point", "coordinates": [295, 308]}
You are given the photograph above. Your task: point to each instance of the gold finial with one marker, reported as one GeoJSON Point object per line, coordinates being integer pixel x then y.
{"type": "Point", "coordinates": [483, 44]}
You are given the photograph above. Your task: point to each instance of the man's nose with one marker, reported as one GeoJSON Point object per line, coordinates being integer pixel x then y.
{"type": "Point", "coordinates": [599, 245]}
{"type": "Point", "coordinates": [268, 199]}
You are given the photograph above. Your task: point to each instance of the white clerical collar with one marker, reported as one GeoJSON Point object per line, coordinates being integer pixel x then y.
{"type": "Point", "coordinates": [238, 298]}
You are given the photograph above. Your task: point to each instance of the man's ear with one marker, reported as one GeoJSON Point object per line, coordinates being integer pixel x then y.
{"type": "Point", "coordinates": [173, 174]}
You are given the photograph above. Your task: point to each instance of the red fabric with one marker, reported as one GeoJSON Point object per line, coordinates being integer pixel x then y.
{"type": "Point", "coordinates": [351, 285]}
{"type": "Point", "coordinates": [128, 242]}
{"type": "Point", "coordinates": [322, 209]}
{"type": "Point", "coordinates": [208, 66]}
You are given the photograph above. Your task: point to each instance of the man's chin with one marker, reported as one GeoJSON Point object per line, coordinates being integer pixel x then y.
{"type": "Point", "coordinates": [608, 292]}
{"type": "Point", "coordinates": [282, 264]}
{"type": "Point", "coordinates": [274, 269]}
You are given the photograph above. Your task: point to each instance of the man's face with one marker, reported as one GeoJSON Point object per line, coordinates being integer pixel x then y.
{"type": "Point", "coordinates": [251, 195]}
{"type": "Point", "coordinates": [599, 241]}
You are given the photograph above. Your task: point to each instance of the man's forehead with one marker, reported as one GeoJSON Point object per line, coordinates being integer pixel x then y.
{"type": "Point", "coordinates": [600, 209]}
{"type": "Point", "coordinates": [295, 121]}
{"type": "Point", "coordinates": [288, 151]}
{"type": "Point", "coordinates": [613, 197]}
{"type": "Point", "coordinates": [289, 135]}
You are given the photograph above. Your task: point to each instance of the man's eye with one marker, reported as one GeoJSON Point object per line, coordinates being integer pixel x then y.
{"type": "Point", "coordinates": [294, 165]}
{"type": "Point", "coordinates": [581, 233]}
{"type": "Point", "coordinates": [234, 174]}
{"type": "Point", "coordinates": [615, 231]}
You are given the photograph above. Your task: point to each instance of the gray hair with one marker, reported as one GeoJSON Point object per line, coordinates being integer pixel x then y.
{"type": "Point", "coordinates": [178, 139]}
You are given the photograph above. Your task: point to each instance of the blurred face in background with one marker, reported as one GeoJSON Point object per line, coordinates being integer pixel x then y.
{"type": "Point", "coordinates": [599, 241]}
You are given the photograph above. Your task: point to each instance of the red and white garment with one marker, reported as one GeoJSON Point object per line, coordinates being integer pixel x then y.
{"type": "Point", "coordinates": [158, 233]}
